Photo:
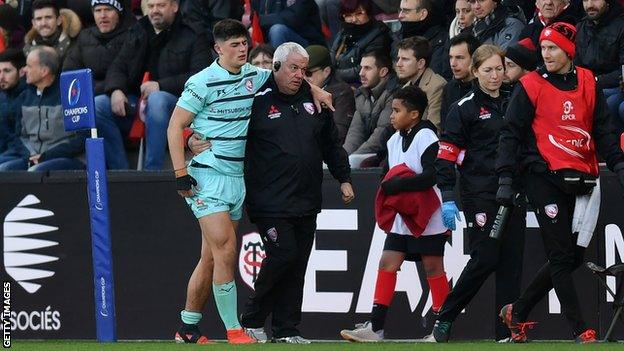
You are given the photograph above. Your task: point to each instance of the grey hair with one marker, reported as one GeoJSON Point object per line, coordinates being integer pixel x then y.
{"type": "Point", "coordinates": [48, 57]}
{"type": "Point", "coordinates": [283, 51]}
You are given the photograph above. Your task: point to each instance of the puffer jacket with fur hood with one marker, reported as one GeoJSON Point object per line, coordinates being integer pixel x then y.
{"type": "Point", "coordinates": [70, 25]}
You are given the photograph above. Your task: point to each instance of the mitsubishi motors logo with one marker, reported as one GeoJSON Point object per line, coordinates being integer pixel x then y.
{"type": "Point", "coordinates": [20, 242]}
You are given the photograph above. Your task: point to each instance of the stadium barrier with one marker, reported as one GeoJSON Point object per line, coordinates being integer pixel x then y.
{"type": "Point", "coordinates": [47, 261]}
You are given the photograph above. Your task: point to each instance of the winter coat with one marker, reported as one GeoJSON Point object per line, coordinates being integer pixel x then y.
{"type": "Point", "coordinates": [433, 85]}
{"type": "Point", "coordinates": [372, 115]}
{"type": "Point", "coordinates": [302, 16]}
{"type": "Point", "coordinates": [498, 28]}
{"type": "Point", "coordinates": [347, 50]}
{"type": "Point", "coordinates": [183, 52]}
{"type": "Point", "coordinates": [208, 12]}
{"type": "Point", "coordinates": [96, 51]}
{"type": "Point", "coordinates": [600, 47]}
{"type": "Point", "coordinates": [9, 109]}
{"type": "Point", "coordinates": [70, 28]}
{"type": "Point", "coordinates": [344, 103]}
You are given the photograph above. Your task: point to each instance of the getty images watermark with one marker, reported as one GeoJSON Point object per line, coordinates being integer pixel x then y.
{"type": "Point", "coordinates": [6, 314]}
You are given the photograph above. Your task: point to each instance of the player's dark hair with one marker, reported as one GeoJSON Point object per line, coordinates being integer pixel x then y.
{"type": "Point", "coordinates": [14, 56]}
{"type": "Point", "coordinates": [413, 98]}
{"type": "Point", "coordinates": [419, 45]}
{"type": "Point", "coordinates": [382, 59]}
{"type": "Point", "coordinates": [265, 49]}
{"type": "Point", "coordinates": [228, 29]}
{"type": "Point", "coordinates": [471, 41]}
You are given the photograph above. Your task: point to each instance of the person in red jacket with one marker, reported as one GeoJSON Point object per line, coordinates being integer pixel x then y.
{"type": "Point", "coordinates": [415, 145]}
{"type": "Point", "coordinates": [556, 123]}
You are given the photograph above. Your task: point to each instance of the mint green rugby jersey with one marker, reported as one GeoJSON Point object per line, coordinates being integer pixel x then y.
{"type": "Point", "coordinates": [221, 102]}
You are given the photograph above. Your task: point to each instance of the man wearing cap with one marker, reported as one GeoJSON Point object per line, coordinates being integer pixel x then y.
{"type": "Point", "coordinates": [600, 47]}
{"type": "Point", "coordinates": [97, 46]}
{"type": "Point", "coordinates": [556, 121]}
{"type": "Point", "coordinates": [520, 59]}
{"type": "Point", "coordinates": [321, 73]}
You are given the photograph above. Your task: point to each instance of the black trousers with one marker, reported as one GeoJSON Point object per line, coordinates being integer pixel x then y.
{"type": "Point", "coordinates": [564, 256]}
{"type": "Point", "coordinates": [279, 286]}
{"type": "Point", "coordinates": [501, 256]}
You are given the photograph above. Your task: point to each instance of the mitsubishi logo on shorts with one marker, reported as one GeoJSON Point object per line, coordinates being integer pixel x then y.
{"type": "Point", "coordinates": [250, 258]}
{"type": "Point", "coordinates": [19, 244]}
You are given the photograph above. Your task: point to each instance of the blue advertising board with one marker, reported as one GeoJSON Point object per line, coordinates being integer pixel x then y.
{"type": "Point", "coordinates": [77, 99]}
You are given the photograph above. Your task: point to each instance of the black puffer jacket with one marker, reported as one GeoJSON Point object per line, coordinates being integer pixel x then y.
{"type": "Point", "coordinates": [300, 15]}
{"type": "Point", "coordinates": [600, 46]}
{"type": "Point", "coordinates": [208, 12]}
{"type": "Point", "coordinates": [352, 42]}
{"type": "Point", "coordinates": [183, 51]}
{"type": "Point", "coordinates": [96, 51]}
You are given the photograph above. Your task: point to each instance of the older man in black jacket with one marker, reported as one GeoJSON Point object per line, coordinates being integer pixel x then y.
{"type": "Point", "coordinates": [160, 53]}
{"type": "Point", "coordinates": [288, 140]}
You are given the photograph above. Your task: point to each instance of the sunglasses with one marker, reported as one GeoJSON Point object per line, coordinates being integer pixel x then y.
{"type": "Point", "coordinates": [309, 73]}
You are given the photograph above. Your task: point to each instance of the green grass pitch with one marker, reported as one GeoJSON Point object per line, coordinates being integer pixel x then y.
{"type": "Point", "coordinates": [320, 346]}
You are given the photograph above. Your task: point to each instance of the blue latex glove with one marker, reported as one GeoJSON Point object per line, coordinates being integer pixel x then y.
{"type": "Point", "coordinates": [449, 213]}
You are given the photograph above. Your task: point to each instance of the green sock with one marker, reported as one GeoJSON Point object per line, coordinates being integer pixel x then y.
{"type": "Point", "coordinates": [189, 317]}
{"type": "Point", "coordinates": [225, 297]}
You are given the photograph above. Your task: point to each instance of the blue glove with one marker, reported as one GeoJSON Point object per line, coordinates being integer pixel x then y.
{"type": "Point", "coordinates": [449, 213]}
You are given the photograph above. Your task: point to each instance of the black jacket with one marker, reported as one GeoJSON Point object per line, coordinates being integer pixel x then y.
{"type": "Point", "coordinates": [343, 100]}
{"type": "Point", "coordinates": [437, 36]}
{"type": "Point", "coordinates": [183, 51]}
{"type": "Point", "coordinates": [517, 142]}
{"type": "Point", "coordinates": [352, 42]}
{"type": "Point", "coordinates": [473, 124]}
{"type": "Point", "coordinates": [206, 13]}
{"type": "Point", "coordinates": [96, 51]}
{"type": "Point", "coordinates": [286, 148]}
{"type": "Point", "coordinates": [535, 26]}
{"type": "Point", "coordinates": [302, 16]}
{"type": "Point", "coordinates": [454, 90]}
{"type": "Point", "coordinates": [600, 46]}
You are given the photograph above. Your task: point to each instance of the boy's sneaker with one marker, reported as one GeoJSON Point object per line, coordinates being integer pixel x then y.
{"type": "Point", "coordinates": [296, 339]}
{"type": "Point", "coordinates": [189, 333]}
{"type": "Point", "coordinates": [441, 332]}
{"type": "Point", "coordinates": [517, 329]}
{"type": "Point", "coordinates": [257, 334]}
{"type": "Point", "coordinates": [362, 333]}
{"type": "Point", "coordinates": [586, 337]}
{"type": "Point", "coordinates": [238, 336]}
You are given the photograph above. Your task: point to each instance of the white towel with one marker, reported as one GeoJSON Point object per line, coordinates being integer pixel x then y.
{"type": "Point", "coordinates": [586, 211]}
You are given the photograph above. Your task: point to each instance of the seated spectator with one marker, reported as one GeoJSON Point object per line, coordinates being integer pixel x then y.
{"type": "Point", "coordinates": [600, 47]}
{"type": "Point", "coordinates": [424, 18]}
{"type": "Point", "coordinates": [321, 73]}
{"type": "Point", "coordinates": [548, 11]}
{"type": "Point", "coordinates": [520, 59]}
{"type": "Point", "coordinates": [97, 46]}
{"type": "Point", "coordinates": [412, 68]}
{"type": "Point", "coordinates": [293, 20]}
{"type": "Point", "coordinates": [360, 33]}
{"type": "Point", "coordinates": [12, 84]}
{"type": "Point", "coordinates": [52, 27]}
{"type": "Point", "coordinates": [170, 51]}
{"type": "Point", "coordinates": [462, 47]}
{"type": "Point", "coordinates": [11, 31]}
{"type": "Point", "coordinates": [464, 18]}
{"type": "Point", "coordinates": [262, 56]}
{"type": "Point", "coordinates": [373, 104]}
{"type": "Point", "coordinates": [43, 143]}
{"type": "Point", "coordinates": [329, 10]}
{"type": "Point", "coordinates": [207, 13]}
{"type": "Point", "coordinates": [494, 23]}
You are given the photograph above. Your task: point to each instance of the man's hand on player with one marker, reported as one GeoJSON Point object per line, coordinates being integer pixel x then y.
{"type": "Point", "coordinates": [197, 144]}
{"type": "Point", "coordinates": [347, 192]}
{"type": "Point", "coordinates": [322, 99]}
{"type": "Point", "coordinates": [184, 183]}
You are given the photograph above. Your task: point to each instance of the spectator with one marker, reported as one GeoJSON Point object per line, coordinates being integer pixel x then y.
{"type": "Point", "coordinates": [413, 69]}
{"type": "Point", "coordinates": [170, 50]}
{"type": "Point", "coordinates": [97, 46]}
{"type": "Point", "coordinates": [361, 33]}
{"type": "Point", "coordinates": [321, 73]}
{"type": "Point", "coordinates": [52, 27]}
{"type": "Point", "coordinates": [44, 144]}
{"type": "Point", "coordinates": [520, 59]}
{"type": "Point", "coordinates": [262, 56]}
{"type": "Point", "coordinates": [600, 48]}
{"type": "Point", "coordinates": [548, 11]}
{"type": "Point", "coordinates": [460, 56]}
{"type": "Point", "coordinates": [12, 84]}
{"type": "Point", "coordinates": [373, 105]}
{"type": "Point", "coordinates": [293, 20]}
{"type": "Point", "coordinates": [494, 23]}
{"type": "Point", "coordinates": [424, 18]}
{"type": "Point", "coordinates": [11, 30]}
{"type": "Point", "coordinates": [464, 18]}
{"type": "Point", "coordinates": [329, 11]}
{"type": "Point", "coordinates": [207, 13]}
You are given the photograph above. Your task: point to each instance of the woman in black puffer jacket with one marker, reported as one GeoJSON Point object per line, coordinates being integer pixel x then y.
{"type": "Point", "coordinates": [361, 33]}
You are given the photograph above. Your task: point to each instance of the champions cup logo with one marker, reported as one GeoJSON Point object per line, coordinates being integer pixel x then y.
{"type": "Point", "coordinates": [104, 308]}
{"type": "Point", "coordinates": [250, 258]}
{"type": "Point", "coordinates": [18, 244]}
{"type": "Point", "coordinates": [98, 199]}
{"type": "Point", "coordinates": [73, 93]}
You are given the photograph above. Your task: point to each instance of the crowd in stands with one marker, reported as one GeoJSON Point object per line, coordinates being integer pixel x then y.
{"type": "Point", "coordinates": [142, 52]}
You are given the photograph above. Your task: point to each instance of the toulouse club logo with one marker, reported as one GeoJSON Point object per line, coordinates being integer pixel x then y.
{"type": "Point", "coordinates": [250, 258]}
